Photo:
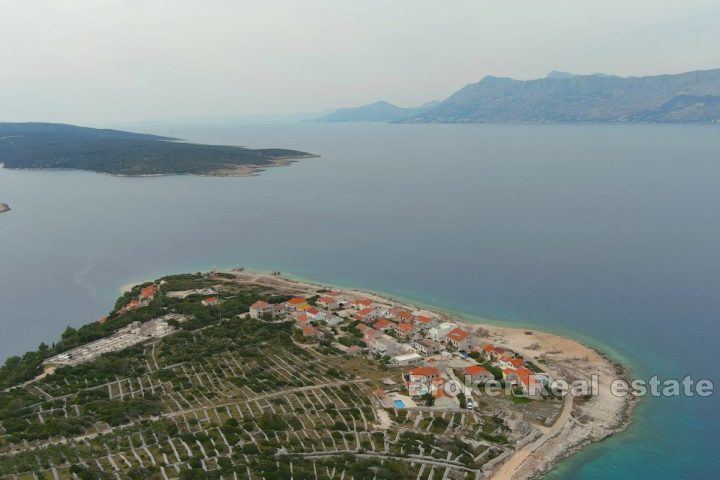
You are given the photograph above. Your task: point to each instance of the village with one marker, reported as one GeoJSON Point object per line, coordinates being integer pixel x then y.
{"type": "Point", "coordinates": [441, 360]}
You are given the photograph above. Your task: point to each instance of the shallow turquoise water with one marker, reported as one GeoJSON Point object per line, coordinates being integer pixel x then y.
{"type": "Point", "coordinates": [609, 234]}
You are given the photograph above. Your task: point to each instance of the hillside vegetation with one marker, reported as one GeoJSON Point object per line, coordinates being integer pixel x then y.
{"type": "Point", "coordinates": [225, 396]}
{"type": "Point", "coordinates": [54, 146]}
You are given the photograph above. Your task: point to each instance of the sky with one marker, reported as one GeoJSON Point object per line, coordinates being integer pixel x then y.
{"type": "Point", "coordinates": [97, 62]}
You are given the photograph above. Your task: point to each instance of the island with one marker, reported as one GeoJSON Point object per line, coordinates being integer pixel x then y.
{"type": "Point", "coordinates": [241, 374]}
{"type": "Point", "coordinates": [57, 146]}
{"type": "Point", "coordinates": [4, 207]}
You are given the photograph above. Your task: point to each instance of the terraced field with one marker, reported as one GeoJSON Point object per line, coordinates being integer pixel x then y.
{"type": "Point", "coordinates": [235, 399]}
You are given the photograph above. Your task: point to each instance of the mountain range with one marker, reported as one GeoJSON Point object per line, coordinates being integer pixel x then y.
{"type": "Point", "coordinates": [561, 97]}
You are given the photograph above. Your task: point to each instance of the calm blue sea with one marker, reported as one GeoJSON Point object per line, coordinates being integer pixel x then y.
{"type": "Point", "coordinates": [607, 233]}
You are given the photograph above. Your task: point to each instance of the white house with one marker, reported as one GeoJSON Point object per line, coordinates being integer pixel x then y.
{"type": "Point", "coordinates": [384, 346]}
{"type": "Point", "coordinates": [406, 360]}
{"type": "Point", "coordinates": [440, 332]}
{"type": "Point", "coordinates": [427, 346]}
{"type": "Point", "coordinates": [420, 380]}
{"type": "Point", "coordinates": [458, 338]}
{"type": "Point", "coordinates": [260, 309]}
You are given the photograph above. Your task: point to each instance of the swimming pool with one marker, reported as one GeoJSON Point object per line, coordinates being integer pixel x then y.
{"type": "Point", "coordinates": [399, 404]}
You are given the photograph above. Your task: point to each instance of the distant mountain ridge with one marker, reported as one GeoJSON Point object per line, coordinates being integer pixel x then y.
{"type": "Point", "coordinates": [562, 97]}
{"type": "Point", "coordinates": [381, 111]}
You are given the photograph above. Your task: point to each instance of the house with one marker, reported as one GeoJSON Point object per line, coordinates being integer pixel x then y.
{"type": "Point", "coordinates": [420, 380]}
{"type": "Point", "coordinates": [528, 382]}
{"type": "Point", "coordinates": [384, 346]}
{"type": "Point", "coordinates": [361, 303]}
{"type": "Point", "coordinates": [260, 309]}
{"type": "Point", "coordinates": [302, 320]}
{"type": "Point", "coordinates": [148, 293]}
{"type": "Point", "coordinates": [328, 302]}
{"type": "Point", "coordinates": [478, 374]}
{"type": "Point", "coordinates": [400, 315]}
{"type": "Point", "coordinates": [367, 314]}
{"type": "Point", "coordinates": [427, 346]}
{"type": "Point", "coordinates": [383, 324]}
{"type": "Point", "coordinates": [439, 332]}
{"type": "Point", "coordinates": [209, 302]}
{"type": "Point", "coordinates": [404, 330]}
{"type": "Point", "coordinates": [492, 352]}
{"type": "Point", "coordinates": [295, 303]}
{"type": "Point", "coordinates": [310, 331]}
{"type": "Point", "coordinates": [312, 312]}
{"type": "Point", "coordinates": [458, 338]}
{"type": "Point", "coordinates": [406, 360]}
{"type": "Point", "coordinates": [423, 374]}
{"type": "Point", "coordinates": [511, 362]}
{"type": "Point", "coordinates": [424, 322]}
{"type": "Point", "coordinates": [333, 320]}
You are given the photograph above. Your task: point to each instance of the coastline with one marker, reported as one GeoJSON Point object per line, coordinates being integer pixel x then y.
{"type": "Point", "coordinates": [582, 422]}
{"type": "Point", "coordinates": [247, 170]}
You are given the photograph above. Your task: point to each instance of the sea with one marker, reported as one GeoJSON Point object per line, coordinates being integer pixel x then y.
{"type": "Point", "coordinates": [606, 233]}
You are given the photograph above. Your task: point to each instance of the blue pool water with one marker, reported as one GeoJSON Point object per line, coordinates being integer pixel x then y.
{"type": "Point", "coordinates": [399, 404]}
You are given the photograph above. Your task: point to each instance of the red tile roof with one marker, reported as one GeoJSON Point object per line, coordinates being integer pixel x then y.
{"type": "Point", "coordinates": [383, 323]}
{"type": "Point", "coordinates": [517, 362]}
{"type": "Point", "coordinates": [423, 319]}
{"type": "Point", "coordinates": [524, 376]}
{"type": "Point", "coordinates": [405, 327]}
{"type": "Point", "coordinates": [476, 370]}
{"type": "Point", "coordinates": [313, 311]}
{"type": "Point", "coordinates": [309, 330]}
{"type": "Point", "coordinates": [364, 313]}
{"type": "Point", "coordinates": [458, 335]}
{"type": "Point", "coordinates": [260, 304]}
{"type": "Point", "coordinates": [404, 315]}
{"type": "Point", "coordinates": [296, 301]}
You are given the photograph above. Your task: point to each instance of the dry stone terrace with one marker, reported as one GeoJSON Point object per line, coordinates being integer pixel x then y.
{"type": "Point", "coordinates": [236, 398]}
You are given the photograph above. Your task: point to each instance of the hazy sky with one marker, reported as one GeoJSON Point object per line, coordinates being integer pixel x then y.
{"type": "Point", "coordinates": [105, 61]}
